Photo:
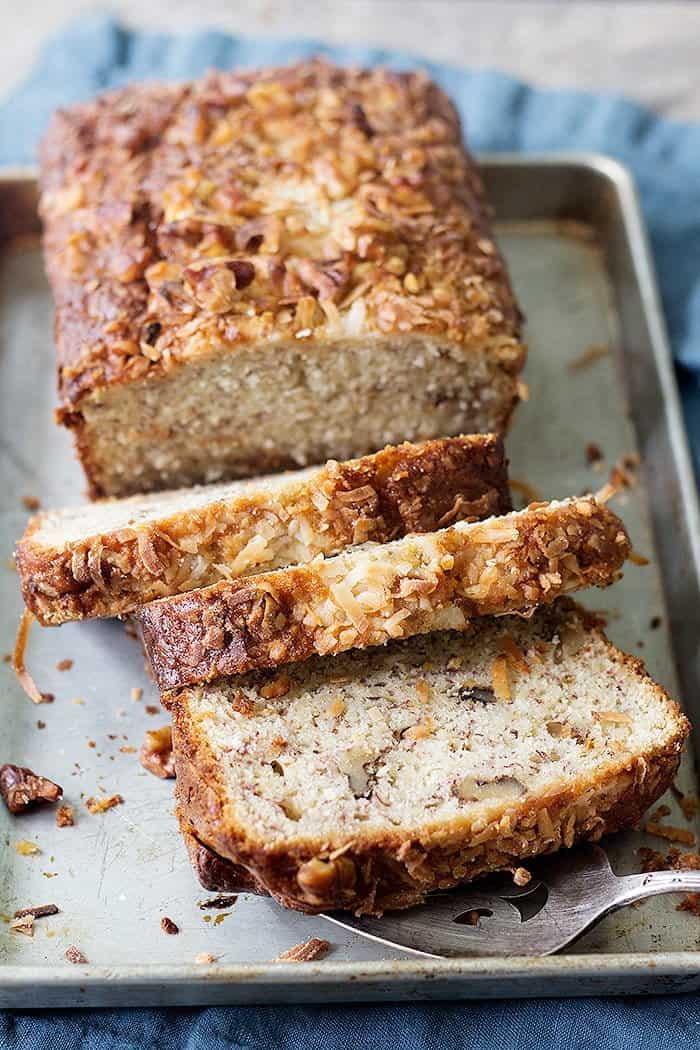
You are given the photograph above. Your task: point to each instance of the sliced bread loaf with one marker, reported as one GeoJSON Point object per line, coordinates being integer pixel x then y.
{"type": "Point", "coordinates": [258, 271]}
{"type": "Point", "coordinates": [371, 594]}
{"type": "Point", "coordinates": [107, 558]}
{"type": "Point", "coordinates": [374, 778]}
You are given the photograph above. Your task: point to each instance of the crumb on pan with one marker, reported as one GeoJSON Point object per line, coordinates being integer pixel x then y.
{"type": "Point", "coordinates": [26, 848]}
{"type": "Point", "coordinates": [314, 948]}
{"type": "Point", "coordinates": [65, 816]}
{"type": "Point", "coordinates": [101, 805]}
{"type": "Point", "coordinates": [588, 357]}
{"type": "Point", "coordinates": [23, 924]}
{"type": "Point", "coordinates": [669, 832]}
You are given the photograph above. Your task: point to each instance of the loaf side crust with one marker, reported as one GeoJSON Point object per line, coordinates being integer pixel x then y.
{"type": "Point", "coordinates": [404, 489]}
{"type": "Point", "coordinates": [363, 598]}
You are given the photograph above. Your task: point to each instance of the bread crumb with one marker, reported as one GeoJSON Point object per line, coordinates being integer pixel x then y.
{"type": "Point", "coordinates": [23, 924]}
{"type": "Point", "coordinates": [168, 926]}
{"type": "Point", "coordinates": [101, 805]}
{"type": "Point", "coordinates": [336, 708]}
{"type": "Point", "coordinates": [75, 956]}
{"type": "Point", "coordinates": [31, 502]}
{"type": "Point", "coordinates": [65, 817]}
{"type": "Point", "coordinates": [521, 876]}
{"type": "Point", "coordinates": [152, 709]}
{"type": "Point", "coordinates": [136, 692]}
{"type": "Point", "coordinates": [64, 665]}
{"type": "Point", "coordinates": [26, 848]}
{"type": "Point", "coordinates": [315, 948]}
{"type": "Point", "coordinates": [672, 834]}
{"type": "Point", "coordinates": [588, 357]}
{"type": "Point", "coordinates": [204, 958]}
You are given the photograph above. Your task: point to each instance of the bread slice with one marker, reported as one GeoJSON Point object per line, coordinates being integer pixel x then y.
{"type": "Point", "coordinates": [379, 777]}
{"type": "Point", "coordinates": [264, 270]}
{"type": "Point", "coordinates": [370, 594]}
{"type": "Point", "coordinates": [107, 558]}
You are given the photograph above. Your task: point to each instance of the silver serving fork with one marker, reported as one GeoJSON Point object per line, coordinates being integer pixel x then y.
{"type": "Point", "coordinates": [572, 891]}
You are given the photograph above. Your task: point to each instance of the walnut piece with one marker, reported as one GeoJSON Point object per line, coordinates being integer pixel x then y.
{"type": "Point", "coordinates": [21, 788]}
{"type": "Point", "coordinates": [168, 926]}
{"type": "Point", "coordinates": [323, 879]}
{"type": "Point", "coordinates": [156, 754]}
{"type": "Point", "coordinates": [37, 911]}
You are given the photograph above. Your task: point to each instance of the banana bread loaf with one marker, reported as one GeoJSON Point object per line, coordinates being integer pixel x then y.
{"type": "Point", "coordinates": [260, 271]}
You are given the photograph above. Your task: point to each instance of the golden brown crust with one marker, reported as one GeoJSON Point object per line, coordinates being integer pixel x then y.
{"type": "Point", "coordinates": [402, 489]}
{"type": "Point", "coordinates": [508, 564]}
{"type": "Point", "coordinates": [297, 202]}
{"type": "Point", "coordinates": [384, 870]}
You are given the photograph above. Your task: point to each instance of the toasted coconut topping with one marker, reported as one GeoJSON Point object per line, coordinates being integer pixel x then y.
{"type": "Point", "coordinates": [256, 206]}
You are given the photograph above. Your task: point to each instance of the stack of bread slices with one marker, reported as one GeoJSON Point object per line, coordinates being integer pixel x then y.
{"type": "Point", "coordinates": [378, 685]}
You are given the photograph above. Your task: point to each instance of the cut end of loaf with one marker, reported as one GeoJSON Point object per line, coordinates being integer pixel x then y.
{"type": "Point", "coordinates": [418, 757]}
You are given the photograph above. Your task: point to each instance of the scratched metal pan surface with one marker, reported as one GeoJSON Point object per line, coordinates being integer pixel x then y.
{"type": "Point", "coordinates": [571, 229]}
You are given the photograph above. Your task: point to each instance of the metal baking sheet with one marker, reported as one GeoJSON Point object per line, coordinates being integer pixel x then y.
{"type": "Point", "coordinates": [571, 229]}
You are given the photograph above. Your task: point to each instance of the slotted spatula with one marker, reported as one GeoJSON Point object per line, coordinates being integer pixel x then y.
{"type": "Point", "coordinates": [571, 892]}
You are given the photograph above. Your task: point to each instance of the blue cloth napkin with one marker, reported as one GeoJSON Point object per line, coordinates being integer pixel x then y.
{"type": "Point", "coordinates": [500, 114]}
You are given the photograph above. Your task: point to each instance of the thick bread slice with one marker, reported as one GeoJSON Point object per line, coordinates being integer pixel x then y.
{"type": "Point", "coordinates": [107, 558]}
{"type": "Point", "coordinates": [262, 270]}
{"type": "Point", "coordinates": [368, 595]}
{"type": "Point", "coordinates": [378, 777]}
